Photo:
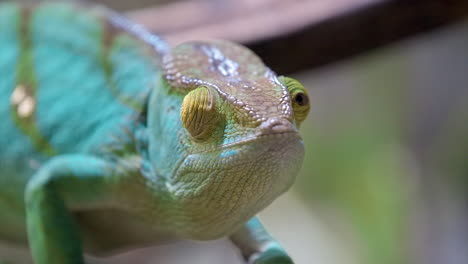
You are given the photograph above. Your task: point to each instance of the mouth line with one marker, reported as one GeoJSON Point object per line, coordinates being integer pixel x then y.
{"type": "Point", "coordinates": [248, 140]}
{"type": "Point", "coordinates": [237, 143]}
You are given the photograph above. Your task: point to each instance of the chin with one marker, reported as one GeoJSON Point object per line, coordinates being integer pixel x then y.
{"type": "Point", "coordinates": [241, 179]}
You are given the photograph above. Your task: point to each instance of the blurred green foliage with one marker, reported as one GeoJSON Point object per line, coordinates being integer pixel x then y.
{"type": "Point", "coordinates": [355, 162]}
{"type": "Point", "coordinates": [387, 148]}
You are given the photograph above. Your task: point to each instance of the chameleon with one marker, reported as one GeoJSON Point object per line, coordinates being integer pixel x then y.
{"type": "Point", "coordinates": [110, 139]}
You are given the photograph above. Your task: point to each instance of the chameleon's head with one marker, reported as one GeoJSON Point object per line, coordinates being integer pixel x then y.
{"type": "Point", "coordinates": [234, 126]}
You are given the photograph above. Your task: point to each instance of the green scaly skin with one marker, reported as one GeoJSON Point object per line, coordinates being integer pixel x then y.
{"type": "Point", "coordinates": [110, 140]}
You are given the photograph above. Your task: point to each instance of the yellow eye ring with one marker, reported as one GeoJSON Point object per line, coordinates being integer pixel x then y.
{"type": "Point", "coordinates": [299, 98]}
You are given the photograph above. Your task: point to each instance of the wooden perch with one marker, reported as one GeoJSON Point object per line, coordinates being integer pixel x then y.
{"type": "Point", "coordinates": [292, 35]}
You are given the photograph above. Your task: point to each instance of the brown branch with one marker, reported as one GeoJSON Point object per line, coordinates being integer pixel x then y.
{"type": "Point", "coordinates": [298, 34]}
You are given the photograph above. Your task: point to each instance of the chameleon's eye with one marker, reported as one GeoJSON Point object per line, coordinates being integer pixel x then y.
{"type": "Point", "coordinates": [299, 98]}
{"type": "Point", "coordinates": [198, 113]}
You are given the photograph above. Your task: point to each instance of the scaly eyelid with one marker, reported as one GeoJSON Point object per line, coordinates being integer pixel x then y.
{"type": "Point", "coordinates": [199, 114]}
{"type": "Point", "coordinates": [295, 87]}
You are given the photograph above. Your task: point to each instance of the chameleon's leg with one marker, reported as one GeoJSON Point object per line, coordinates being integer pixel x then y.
{"type": "Point", "coordinates": [257, 246]}
{"type": "Point", "coordinates": [65, 182]}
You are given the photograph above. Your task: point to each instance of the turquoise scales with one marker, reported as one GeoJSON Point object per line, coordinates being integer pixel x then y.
{"type": "Point", "coordinates": [55, 84]}
{"type": "Point", "coordinates": [101, 120]}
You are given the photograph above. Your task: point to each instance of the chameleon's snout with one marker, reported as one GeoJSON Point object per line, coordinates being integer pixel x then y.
{"type": "Point", "coordinates": [276, 125]}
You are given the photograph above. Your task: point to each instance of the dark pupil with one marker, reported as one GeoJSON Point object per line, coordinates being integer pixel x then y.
{"type": "Point", "coordinates": [301, 99]}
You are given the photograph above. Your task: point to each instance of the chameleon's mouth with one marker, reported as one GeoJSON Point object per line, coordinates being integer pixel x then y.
{"type": "Point", "coordinates": [259, 138]}
{"type": "Point", "coordinates": [256, 137]}
{"type": "Point", "coordinates": [266, 142]}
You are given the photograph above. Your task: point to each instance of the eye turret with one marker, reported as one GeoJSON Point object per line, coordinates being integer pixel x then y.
{"type": "Point", "coordinates": [299, 98]}
{"type": "Point", "coordinates": [198, 113]}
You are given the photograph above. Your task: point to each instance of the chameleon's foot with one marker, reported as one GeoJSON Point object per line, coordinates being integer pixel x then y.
{"type": "Point", "coordinates": [271, 256]}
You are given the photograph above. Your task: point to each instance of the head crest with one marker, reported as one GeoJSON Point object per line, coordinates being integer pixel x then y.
{"type": "Point", "coordinates": [235, 71]}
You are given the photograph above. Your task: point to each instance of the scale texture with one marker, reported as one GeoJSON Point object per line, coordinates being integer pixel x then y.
{"type": "Point", "coordinates": [111, 140]}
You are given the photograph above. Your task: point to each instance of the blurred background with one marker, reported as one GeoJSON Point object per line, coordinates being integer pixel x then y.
{"type": "Point", "coordinates": [386, 170]}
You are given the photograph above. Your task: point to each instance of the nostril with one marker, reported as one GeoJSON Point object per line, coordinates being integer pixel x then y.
{"type": "Point", "coordinates": [276, 125]}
